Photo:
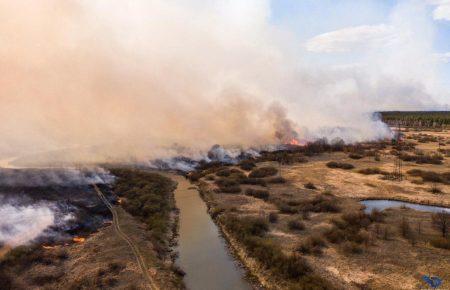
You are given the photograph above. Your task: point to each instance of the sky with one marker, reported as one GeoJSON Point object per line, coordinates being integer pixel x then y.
{"type": "Point", "coordinates": [349, 32]}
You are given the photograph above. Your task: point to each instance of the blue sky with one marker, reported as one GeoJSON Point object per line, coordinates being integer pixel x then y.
{"type": "Point", "coordinates": [359, 19]}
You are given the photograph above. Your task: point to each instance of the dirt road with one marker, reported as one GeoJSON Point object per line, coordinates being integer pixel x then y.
{"type": "Point", "coordinates": [134, 248]}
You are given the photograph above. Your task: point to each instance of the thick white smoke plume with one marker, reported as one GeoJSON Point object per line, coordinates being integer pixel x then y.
{"type": "Point", "coordinates": [22, 223]}
{"type": "Point", "coordinates": [95, 80]}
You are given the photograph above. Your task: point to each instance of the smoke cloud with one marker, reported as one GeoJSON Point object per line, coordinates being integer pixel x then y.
{"type": "Point", "coordinates": [23, 223]}
{"type": "Point", "coordinates": [54, 177]}
{"type": "Point", "coordinates": [94, 81]}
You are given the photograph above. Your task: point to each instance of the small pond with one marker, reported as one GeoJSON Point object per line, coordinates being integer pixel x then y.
{"type": "Point", "coordinates": [382, 204]}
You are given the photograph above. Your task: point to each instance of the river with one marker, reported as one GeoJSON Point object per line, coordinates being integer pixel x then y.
{"type": "Point", "coordinates": [203, 253]}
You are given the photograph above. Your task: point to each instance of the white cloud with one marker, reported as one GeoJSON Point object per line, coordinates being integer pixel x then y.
{"type": "Point", "coordinates": [442, 10]}
{"type": "Point", "coordinates": [352, 38]}
{"type": "Point", "coordinates": [443, 57]}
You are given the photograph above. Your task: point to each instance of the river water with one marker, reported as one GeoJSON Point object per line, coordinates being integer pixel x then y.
{"type": "Point", "coordinates": [382, 204]}
{"type": "Point", "coordinates": [203, 253]}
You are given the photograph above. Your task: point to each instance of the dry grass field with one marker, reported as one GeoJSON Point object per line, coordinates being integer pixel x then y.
{"type": "Point", "coordinates": [316, 214]}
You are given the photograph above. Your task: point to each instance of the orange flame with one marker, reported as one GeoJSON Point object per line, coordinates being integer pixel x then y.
{"type": "Point", "coordinates": [78, 240]}
{"type": "Point", "coordinates": [294, 142]}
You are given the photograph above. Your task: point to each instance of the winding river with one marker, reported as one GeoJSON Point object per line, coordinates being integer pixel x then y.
{"type": "Point", "coordinates": [203, 253]}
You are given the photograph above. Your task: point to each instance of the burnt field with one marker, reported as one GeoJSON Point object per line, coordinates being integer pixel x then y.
{"type": "Point", "coordinates": [61, 204]}
{"type": "Point", "coordinates": [58, 234]}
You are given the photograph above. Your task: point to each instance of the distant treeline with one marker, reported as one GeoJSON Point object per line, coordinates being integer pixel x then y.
{"type": "Point", "coordinates": [434, 119]}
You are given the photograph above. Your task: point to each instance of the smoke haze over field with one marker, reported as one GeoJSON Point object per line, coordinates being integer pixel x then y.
{"type": "Point", "coordinates": [125, 79]}
{"type": "Point", "coordinates": [23, 223]}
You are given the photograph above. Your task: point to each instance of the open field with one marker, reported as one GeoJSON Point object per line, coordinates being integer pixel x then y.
{"type": "Point", "coordinates": [312, 214]}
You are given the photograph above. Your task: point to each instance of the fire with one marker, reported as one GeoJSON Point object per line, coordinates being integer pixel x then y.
{"type": "Point", "coordinates": [294, 142]}
{"type": "Point", "coordinates": [48, 247]}
{"type": "Point", "coordinates": [78, 239]}
{"type": "Point", "coordinates": [119, 201]}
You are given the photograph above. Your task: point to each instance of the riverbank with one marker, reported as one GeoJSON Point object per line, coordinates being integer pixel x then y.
{"type": "Point", "coordinates": [256, 275]}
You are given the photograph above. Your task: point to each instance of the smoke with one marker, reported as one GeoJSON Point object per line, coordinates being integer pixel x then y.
{"type": "Point", "coordinates": [22, 223]}
{"type": "Point", "coordinates": [186, 160]}
{"type": "Point", "coordinates": [54, 177]}
{"type": "Point", "coordinates": [96, 81]}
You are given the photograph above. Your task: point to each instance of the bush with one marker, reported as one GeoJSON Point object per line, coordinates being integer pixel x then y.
{"type": "Point", "coordinates": [435, 190]}
{"type": "Point", "coordinates": [296, 225]}
{"type": "Point", "coordinates": [422, 159]}
{"type": "Point", "coordinates": [247, 165]}
{"type": "Point", "coordinates": [334, 164]}
{"type": "Point", "coordinates": [224, 172]}
{"type": "Point", "coordinates": [263, 172]}
{"type": "Point", "coordinates": [351, 248]}
{"type": "Point", "coordinates": [230, 189]}
{"type": "Point", "coordinates": [335, 235]}
{"type": "Point", "coordinates": [356, 219]}
{"type": "Point", "coordinates": [277, 179]}
{"type": "Point", "coordinates": [148, 196]}
{"type": "Point", "coordinates": [45, 278]}
{"type": "Point", "coordinates": [349, 228]}
{"type": "Point", "coordinates": [322, 203]}
{"type": "Point", "coordinates": [431, 176]}
{"type": "Point", "coordinates": [292, 268]}
{"type": "Point", "coordinates": [261, 194]}
{"type": "Point", "coordinates": [287, 209]}
{"type": "Point", "coordinates": [376, 215]}
{"type": "Point", "coordinates": [227, 185]}
{"type": "Point", "coordinates": [312, 245]}
{"type": "Point", "coordinates": [273, 217]}
{"type": "Point", "coordinates": [253, 181]}
{"type": "Point", "coordinates": [355, 156]}
{"type": "Point", "coordinates": [442, 243]}
{"type": "Point", "coordinates": [441, 221]}
{"type": "Point", "coordinates": [405, 228]}
{"type": "Point", "coordinates": [310, 185]}
{"type": "Point", "coordinates": [373, 170]}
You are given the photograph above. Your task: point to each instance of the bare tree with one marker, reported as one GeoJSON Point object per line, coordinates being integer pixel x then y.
{"type": "Point", "coordinates": [441, 221]}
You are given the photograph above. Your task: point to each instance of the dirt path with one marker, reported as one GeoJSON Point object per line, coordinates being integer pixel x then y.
{"type": "Point", "coordinates": [134, 248]}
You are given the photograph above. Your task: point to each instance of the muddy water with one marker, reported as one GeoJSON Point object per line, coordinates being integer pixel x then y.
{"type": "Point", "coordinates": [203, 253]}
